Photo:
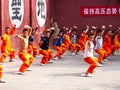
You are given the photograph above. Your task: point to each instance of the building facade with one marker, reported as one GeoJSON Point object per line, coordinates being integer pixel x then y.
{"type": "Point", "coordinates": [65, 12]}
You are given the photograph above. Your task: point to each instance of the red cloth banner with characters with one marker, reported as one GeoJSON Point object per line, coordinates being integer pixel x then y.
{"type": "Point", "coordinates": [100, 11]}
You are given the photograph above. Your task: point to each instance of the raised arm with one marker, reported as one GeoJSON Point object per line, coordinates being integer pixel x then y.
{"type": "Point", "coordinates": [20, 36]}
{"type": "Point", "coordinates": [87, 28]}
{"type": "Point", "coordinates": [36, 28]}
{"type": "Point", "coordinates": [29, 30]}
{"type": "Point", "coordinates": [13, 30]}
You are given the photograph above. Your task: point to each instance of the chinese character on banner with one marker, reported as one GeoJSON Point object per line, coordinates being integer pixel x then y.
{"type": "Point", "coordinates": [108, 11]}
{"type": "Point", "coordinates": [16, 11]}
{"type": "Point", "coordinates": [41, 12]}
{"type": "Point", "coordinates": [91, 11]}
{"type": "Point", "coordinates": [119, 11]}
{"type": "Point", "coordinates": [114, 11]}
{"type": "Point", "coordinates": [97, 11]}
{"type": "Point", "coordinates": [100, 11]}
{"type": "Point", "coordinates": [86, 12]}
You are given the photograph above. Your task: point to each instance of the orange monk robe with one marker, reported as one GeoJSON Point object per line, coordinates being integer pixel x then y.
{"type": "Point", "coordinates": [107, 45]}
{"type": "Point", "coordinates": [102, 54]}
{"type": "Point", "coordinates": [27, 60]}
{"type": "Point", "coordinates": [75, 47]}
{"type": "Point", "coordinates": [33, 48]}
{"type": "Point", "coordinates": [1, 70]}
{"type": "Point", "coordinates": [93, 64]}
{"type": "Point", "coordinates": [67, 40]}
{"type": "Point", "coordinates": [72, 47]}
{"type": "Point", "coordinates": [82, 40]}
{"type": "Point", "coordinates": [64, 47]}
{"type": "Point", "coordinates": [6, 48]}
{"type": "Point", "coordinates": [47, 55]}
{"type": "Point", "coordinates": [116, 41]}
{"type": "Point", "coordinates": [59, 51]}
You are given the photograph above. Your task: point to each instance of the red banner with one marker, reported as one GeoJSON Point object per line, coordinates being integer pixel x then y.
{"type": "Point", "coordinates": [100, 11]}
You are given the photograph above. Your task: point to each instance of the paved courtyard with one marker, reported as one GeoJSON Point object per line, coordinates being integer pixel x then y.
{"type": "Point", "coordinates": [64, 74]}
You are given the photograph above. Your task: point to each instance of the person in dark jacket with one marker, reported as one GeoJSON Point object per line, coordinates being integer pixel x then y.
{"type": "Point", "coordinates": [45, 48]}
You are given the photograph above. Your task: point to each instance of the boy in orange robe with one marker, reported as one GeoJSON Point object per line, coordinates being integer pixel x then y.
{"type": "Point", "coordinates": [89, 57]}
{"type": "Point", "coordinates": [1, 72]}
{"type": "Point", "coordinates": [83, 38]}
{"type": "Point", "coordinates": [107, 43]}
{"type": "Point", "coordinates": [116, 40]}
{"type": "Point", "coordinates": [59, 46]}
{"type": "Point", "coordinates": [98, 48]}
{"type": "Point", "coordinates": [66, 38]}
{"type": "Point", "coordinates": [31, 46]}
{"type": "Point", "coordinates": [6, 48]}
{"type": "Point", "coordinates": [26, 58]}
{"type": "Point", "coordinates": [74, 47]}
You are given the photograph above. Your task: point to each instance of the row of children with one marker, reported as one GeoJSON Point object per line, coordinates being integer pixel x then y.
{"type": "Point", "coordinates": [106, 43]}
{"type": "Point", "coordinates": [66, 39]}
{"type": "Point", "coordinates": [104, 47]}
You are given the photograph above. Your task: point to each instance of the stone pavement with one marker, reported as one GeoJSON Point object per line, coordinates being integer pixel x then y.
{"type": "Point", "coordinates": [65, 74]}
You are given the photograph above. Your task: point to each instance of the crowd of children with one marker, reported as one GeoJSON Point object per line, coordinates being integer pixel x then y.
{"type": "Point", "coordinates": [104, 41]}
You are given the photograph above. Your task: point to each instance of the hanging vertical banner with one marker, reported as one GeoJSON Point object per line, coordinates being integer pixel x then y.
{"type": "Point", "coordinates": [100, 11]}
{"type": "Point", "coordinates": [16, 12]}
{"type": "Point", "coordinates": [41, 12]}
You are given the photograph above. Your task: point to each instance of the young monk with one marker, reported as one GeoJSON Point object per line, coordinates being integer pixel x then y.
{"type": "Point", "coordinates": [98, 48]}
{"type": "Point", "coordinates": [63, 31]}
{"type": "Point", "coordinates": [31, 46]}
{"type": "Point", "coordinates": [6, 48]}
{"type": "Point", "coordinates": [116, 39]}
{"type": "Point", "coordinates": [67, 38]}
{"type": "Point", "coordinates": [45, 49]}
{"type": "Point", "coordinates": [1, 72]}
{"type": "Point", "coordinates": [74, 47]}
{"type": "Point", "coordinates": [59, 46]}
{"type": "Point", "coordinates": [83, 38]}
{"type": "Point", "coordinates": [88, 56]}
{"type": "Point", "coordinates": [26, 58]}
{"type": "Point", "coordinates": [107, 43]}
